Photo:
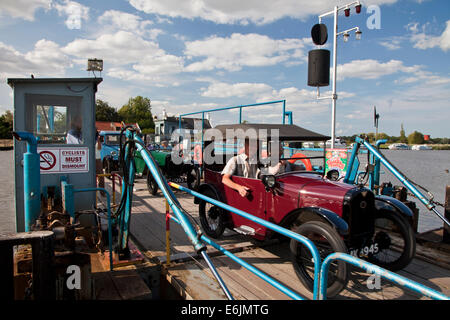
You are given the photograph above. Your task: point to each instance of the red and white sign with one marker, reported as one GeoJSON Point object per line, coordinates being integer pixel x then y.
{"type": "Point", "coordinates": [64, 160]}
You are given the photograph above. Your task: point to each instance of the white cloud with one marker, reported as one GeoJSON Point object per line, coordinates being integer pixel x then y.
{"type": "Point", "coordinates": [23, 9]}
{"type": "Point", "coordinates": [225, 90]}
{"type": "Point", "coordinates": [372, 69]}
{"type": "Point", "coordinates": [113, 20]}
{"type": "Point", "coordinates": [74, 11]}
{"type": "Point", "coordinates": [393, 43]}
{"type": "Point", "coordinates": [46, 59]}
{"type": "Point", "coordinates": [237, 11]}
{"type": "Point", "coordinates": [120, 48]}
{"type": "Point", "coordinates": [424, 41]}
{"type": "Point", "coordinates": [128, 56]}
{"type": "Point", "coordinates": [243, 50]}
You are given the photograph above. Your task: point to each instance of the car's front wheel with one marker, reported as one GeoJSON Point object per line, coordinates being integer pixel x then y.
{"type": "Point", "coordinates": [327, 240]}
{"type": "Point", "coordinates": [395, 239]}
{"type": "Point", "coordinates": [152, 186]}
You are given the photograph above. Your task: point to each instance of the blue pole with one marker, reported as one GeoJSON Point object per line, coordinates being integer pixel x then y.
{"type": "Point", "coordinates": [249, 267]}
{"type": "Point", "coordinates": [272, 226]}
{"type": "Point", "coordinates": [349, 172]}
{"type": "Point", "coordinates": [31, 179]}
{"type": "Point", "coordinates": [399, 176]}
{"type": "Point", "coordinates": [254, 270]}
{"type": "Point", "coordinates": [163, 186]}
{"type": "Point", "coordinates": [51, 118]}
{"type": "Point", "coordinates": [240, 115]}
{"type": "Point", "coordinates": [371, 268]}
{"type": "Point", "coordinates": [234, 107]}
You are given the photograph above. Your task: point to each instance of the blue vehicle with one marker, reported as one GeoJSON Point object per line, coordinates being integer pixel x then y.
{"type": "Point", "coordinates": [110, 150]}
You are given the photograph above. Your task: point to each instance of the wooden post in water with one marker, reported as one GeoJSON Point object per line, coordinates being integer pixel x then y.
{"type": "Point", "coordinates": [446, 237]}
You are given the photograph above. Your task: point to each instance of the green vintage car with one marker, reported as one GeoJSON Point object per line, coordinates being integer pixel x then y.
{"type": "Point", "coordinates": [187, 172]}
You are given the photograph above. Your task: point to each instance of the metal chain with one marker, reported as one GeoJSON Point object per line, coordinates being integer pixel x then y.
{"type": "Point", "coordinates": [29, 290]}
{"type": "Point", "coordinates": [431, 200]}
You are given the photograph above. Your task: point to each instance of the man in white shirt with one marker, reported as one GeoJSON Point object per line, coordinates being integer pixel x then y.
{"type": "Point", "coordinates": [74, 134]}
{"type": "Point", "coordinates": [243, 165]}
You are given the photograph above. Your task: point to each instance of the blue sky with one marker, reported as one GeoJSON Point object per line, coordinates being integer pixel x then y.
{"type": "Point", "coordinates": [190, 55]}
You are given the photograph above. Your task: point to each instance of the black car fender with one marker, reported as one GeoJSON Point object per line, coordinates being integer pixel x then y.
{"type": "Point", "coordinates": [206, 186]}
{"type": "Point", "coordinates": [316, 213]}
{"type": "Point", "coordinates": [392, 204]}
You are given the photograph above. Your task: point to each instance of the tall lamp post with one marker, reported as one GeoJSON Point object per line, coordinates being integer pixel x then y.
{"type": "Point", "coordinates": [346, 35]}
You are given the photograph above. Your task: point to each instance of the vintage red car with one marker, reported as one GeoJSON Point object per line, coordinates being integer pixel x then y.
{"type": "Point", "coordinates": [337, 217]}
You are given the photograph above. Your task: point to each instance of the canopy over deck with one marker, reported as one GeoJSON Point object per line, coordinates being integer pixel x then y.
{"type": "Point", "coordinates": [286, 132]}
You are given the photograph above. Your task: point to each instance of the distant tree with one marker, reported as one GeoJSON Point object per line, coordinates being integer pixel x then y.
{"type": "Point", "coordinates": [6, 125]}
{"type": "Point", "coordinates": [403, 138]}
{"type": "Point", "coordinates": [383, 135]}
{"type": "Point", "coordinates": [415, 138]}
{"type": "Point", "coordinates": [104, 112]}
{"type": "Point", "coordinates": [138, 109]}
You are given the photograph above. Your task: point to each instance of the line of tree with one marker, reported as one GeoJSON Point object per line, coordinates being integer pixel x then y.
{"type": "Point", "coordinates": [136, 110]}
{"type": "Point", "coordinates": [6, 125]}
{"type": "Point", "coordinates": [415, 137]}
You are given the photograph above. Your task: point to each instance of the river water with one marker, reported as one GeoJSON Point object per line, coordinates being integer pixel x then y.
{"type": "Point", "coordinates": [428, 168]}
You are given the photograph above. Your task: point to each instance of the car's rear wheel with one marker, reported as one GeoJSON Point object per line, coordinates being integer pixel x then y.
{"type": "Point", "coordinates": [107, 167]}
{"type": "Point", "coordinates": [395, 240]}
{"type": "Point", "coordinates": [152, 186]}
{"type": "Point", "coordinates": [327, 241]}
{"type": "Point", "coordinates": [212, 218]}
{"type": "Point", "coordinates": [193, 178]}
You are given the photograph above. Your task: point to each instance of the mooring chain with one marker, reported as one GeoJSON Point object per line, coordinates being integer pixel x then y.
{"type": "Point", "coordinates": [431, 200]}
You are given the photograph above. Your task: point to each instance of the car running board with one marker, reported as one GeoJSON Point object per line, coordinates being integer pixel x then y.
{"type": "Point", "coordinates": [245, 230]}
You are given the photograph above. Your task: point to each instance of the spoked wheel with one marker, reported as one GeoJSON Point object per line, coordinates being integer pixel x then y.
{"type": "Point", "coordinates": [396, 243]}
{"type": "Point", "coordinates": [327, 241]}
{"type": "Point", "coordinates": [212, 218]}
{"type": "Point", "coordinates": [107, 167]}
{"type": "Point", "coordinates": [193, 178]}
{"type": "Point", "coordinates": [152, 186]}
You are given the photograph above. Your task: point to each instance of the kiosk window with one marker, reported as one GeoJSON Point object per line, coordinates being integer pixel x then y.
{"type": "Point", "coordinates": [58, 124]}
{"type": "Point", "coordinates": [54, 119]}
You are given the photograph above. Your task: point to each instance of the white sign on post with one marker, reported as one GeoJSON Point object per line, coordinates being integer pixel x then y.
{"type": "Point", "coordinates": [64, 160]}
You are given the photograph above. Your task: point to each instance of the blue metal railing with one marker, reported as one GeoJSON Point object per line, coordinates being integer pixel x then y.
{"type": "Point", "coordinates": [371, 268]}
{"type": "Point", "coordinates": [249, 267]}
{"type": "Point", "coordinates": [288, 233]}
{"type": "Point", "coordinates": [284, 114]}
{"type": "Point", "coordinates": [379, 158]}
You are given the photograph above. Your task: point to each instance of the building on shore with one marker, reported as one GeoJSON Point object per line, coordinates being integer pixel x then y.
{"type": "Point", "coordinates": [166, 126]}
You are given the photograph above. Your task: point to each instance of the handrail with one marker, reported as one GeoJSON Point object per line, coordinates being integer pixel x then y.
{"type": "Point", "coordinates": [249, 267]}
{"type": "Point", "coordinates": [229, 108]}
{"type": "Point", "coordinates": [371, 268]}
{"type": "Point", "coordinates": [272, 226]}
{"type": "Point", "coordinates": [396, 172]}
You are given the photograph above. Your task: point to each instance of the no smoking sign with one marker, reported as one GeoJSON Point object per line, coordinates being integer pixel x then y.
{"type": "Point", "coordinates": [47, 160]}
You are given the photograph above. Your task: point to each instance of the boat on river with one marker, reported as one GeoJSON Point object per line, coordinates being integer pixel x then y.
{"type": "Point", "coordinates": [399, 146]}
{"type": "Point", "coordinates": [421, 147]}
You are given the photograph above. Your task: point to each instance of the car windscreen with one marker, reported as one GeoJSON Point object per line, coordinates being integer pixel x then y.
{"type": "Point", "coordinates": [112, 140]}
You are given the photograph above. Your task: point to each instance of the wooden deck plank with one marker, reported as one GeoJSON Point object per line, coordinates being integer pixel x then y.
{"type": "Point", "coordinates": [148, 226]}
{"type": "Point", "coordinates": [130, 285]}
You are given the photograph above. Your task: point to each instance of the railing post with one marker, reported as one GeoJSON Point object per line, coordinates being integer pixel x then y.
{"type": "Point", "coordinates": [446, 236]}
{"type": "Point", "coordinates": [167, 233]}
{"type": "Point", "coordinates": [113, 179]}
